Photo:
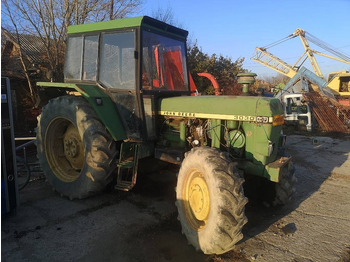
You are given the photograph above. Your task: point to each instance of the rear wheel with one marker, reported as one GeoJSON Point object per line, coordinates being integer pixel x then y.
{"type": "Point", "coordinates": [74, 148]}
{"type": "Point", "coordinates": [210, 201]}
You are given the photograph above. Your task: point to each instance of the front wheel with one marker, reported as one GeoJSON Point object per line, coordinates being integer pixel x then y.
{"type": "Point", "coordinates": [285, 189]}
{"type": "Point", "coordinates": [74, 148]}
{"type": "Point", "coordinates": [210, 201]}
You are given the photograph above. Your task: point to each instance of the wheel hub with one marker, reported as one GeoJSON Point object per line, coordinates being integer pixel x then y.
{"type": "Point", "coordinates": [199, 198]}
{"type": "Point", "coordinates": [71, 147]}
{"type": "Point", "coordinates": [196, 199]}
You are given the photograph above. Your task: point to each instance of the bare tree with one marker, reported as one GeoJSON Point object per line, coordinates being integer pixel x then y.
{"type": "Point", "coordinates": [164, 15]}
{"type": "Point", "coordinates": [49, 19]}
{"type": "Point", "coordinates": [122, 8]}
{"type": "Point", "coordinates": [21, 58]}
{"type": "Point", "coordinates": [275, 80]}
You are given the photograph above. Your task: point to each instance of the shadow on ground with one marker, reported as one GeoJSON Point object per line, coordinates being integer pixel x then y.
{"type": "Point", "coordinates": [142, 225]}
{"type": "Point", "coordinates": [315, 159]}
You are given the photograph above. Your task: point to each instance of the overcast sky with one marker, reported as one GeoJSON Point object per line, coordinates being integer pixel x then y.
{"type": "Point", "coordinates": [234, 28]}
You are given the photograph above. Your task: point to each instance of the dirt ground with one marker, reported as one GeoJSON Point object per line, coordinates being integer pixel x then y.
{"type": "Point", "coordinates": [142, 225]}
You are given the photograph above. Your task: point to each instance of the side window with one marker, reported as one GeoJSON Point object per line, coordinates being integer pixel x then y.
{"type": "Point", "coordinates": [90, 57]}
{"type": "Point", "coordinates": [73, 58]}
{"type": "Point", "coordinates": [117, 62]}
{"type": "Point", "coordinates": [116, 65]}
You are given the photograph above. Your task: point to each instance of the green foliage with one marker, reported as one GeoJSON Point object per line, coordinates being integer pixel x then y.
{"type": "Point", "coordinates": [222, 68]}
{"type": "Point", "coordinates": [280, 86]}
{"type": "Point", "coordinates": [277, 82]}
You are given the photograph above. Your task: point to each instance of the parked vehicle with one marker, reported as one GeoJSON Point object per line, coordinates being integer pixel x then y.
{"type": "Point", "coordinates": [126, 97]}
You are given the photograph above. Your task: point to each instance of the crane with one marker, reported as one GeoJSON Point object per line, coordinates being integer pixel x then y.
{"type": "Point", "coordinates": [338, 82]}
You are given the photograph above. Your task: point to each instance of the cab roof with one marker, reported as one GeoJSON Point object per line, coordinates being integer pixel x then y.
{"type": "Point", "coordinates": [126, 23]}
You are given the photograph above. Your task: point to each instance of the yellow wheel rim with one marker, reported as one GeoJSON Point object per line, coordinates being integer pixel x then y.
{"type": "Point", "coordinates": [64, 149]}
{"type": "Point", "coordinates": [196, 199]}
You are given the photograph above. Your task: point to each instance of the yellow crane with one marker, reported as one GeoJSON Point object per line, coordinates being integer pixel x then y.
{"type": "Point", "coordinates": [338, 82]}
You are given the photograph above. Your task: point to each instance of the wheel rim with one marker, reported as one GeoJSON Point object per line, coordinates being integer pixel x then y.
{"type": "Point", "coordinates": [196, 199]}
{"type": "Point", "coordinates": [64, 149]}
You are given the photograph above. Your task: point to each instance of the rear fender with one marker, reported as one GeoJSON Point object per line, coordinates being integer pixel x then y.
{"type": "Point", "coordinates": [100, 101]}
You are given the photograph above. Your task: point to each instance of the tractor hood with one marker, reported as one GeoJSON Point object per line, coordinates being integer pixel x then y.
{"type": "Point", "coordinates": [240, 108]}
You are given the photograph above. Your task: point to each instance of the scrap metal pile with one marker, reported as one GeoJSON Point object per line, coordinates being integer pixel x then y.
{"type": "Point", "coordinates": [330, 115]}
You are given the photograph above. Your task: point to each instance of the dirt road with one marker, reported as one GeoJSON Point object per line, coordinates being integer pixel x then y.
{"type": "Point", "coordinates": [316, 225]}
{"type": "Point", "coordinates": [142, 225]}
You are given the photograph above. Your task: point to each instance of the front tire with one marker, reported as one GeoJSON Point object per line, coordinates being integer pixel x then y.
{"type": "Point", "coordinates": [210, 201]}
{"type": "Point", "coordinates": [74, 148]}
{"type": "Point", "coordinates": [285, 189]}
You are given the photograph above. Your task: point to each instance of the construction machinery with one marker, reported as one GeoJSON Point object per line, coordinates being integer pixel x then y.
{"type": "Point", "coordinates": [296, 109]}
{"type": "Point", "coordinates": [126, 97]}
{"type": "Point", "coordinates": [334, 92]}
{"type": "Point", "coordinates": [338, 82]}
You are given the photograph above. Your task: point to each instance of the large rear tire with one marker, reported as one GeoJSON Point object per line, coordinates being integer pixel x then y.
{"type": "Point", "coordinates": [74, 148]}
{"type": "Point", "coordinates": [210, 201]}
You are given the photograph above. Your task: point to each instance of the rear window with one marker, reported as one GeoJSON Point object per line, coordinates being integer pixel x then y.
{"type": "Point", "coordinates": [115, 53]}
{"type": "Point", "coordinates": [74, 58]}
{"type": "Point", "coordinates": [90, 57]}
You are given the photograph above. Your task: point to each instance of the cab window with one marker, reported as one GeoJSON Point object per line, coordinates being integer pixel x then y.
{"type": "Point", "coordinates": [117, 62]}
{"type": "Point", "coordinates": [163, 63]}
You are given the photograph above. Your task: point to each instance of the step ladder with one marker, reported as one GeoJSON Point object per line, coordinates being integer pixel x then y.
{"type": "Point", "coordinates": [127, 166]}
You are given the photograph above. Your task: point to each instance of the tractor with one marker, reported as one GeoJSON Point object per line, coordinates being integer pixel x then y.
{"type": "Point", "coordinates": [126, 97]}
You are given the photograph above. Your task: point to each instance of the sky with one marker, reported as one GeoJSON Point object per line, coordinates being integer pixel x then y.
{"type": "Point", "coordinates": [234, 28]}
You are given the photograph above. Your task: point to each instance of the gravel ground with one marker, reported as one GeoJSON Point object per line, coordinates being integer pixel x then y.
{"type": "Point", "coordinates": [142, 225]}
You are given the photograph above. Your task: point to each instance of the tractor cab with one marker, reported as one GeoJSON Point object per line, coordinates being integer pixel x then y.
{"type": "Point", "coordinates": [134, 60]}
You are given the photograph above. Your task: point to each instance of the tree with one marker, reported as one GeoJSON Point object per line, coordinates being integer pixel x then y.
{"type": "Point", "coordinates": [164, 15]}
{"type": "Point", "coordinates": [49, 19]}
{"type": "Point", "coordinates": [279, 79]}
{"type": "Point", "coordinates": [222, 68]}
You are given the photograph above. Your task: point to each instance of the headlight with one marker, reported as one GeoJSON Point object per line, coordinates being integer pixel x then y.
{"type": "Point", "coordinates": [278, 120]}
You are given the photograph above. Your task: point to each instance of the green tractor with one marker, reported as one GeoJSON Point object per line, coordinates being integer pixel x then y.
{"type": "Point", "coordinates": [126, 97]}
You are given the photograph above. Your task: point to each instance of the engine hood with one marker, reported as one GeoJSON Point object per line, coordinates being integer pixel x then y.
{"type": "Point", "coordinates": [240, 108]}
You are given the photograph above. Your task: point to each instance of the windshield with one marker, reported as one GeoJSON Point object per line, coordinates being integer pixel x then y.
{"type": "Point", "coordinates": [164, 63]}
